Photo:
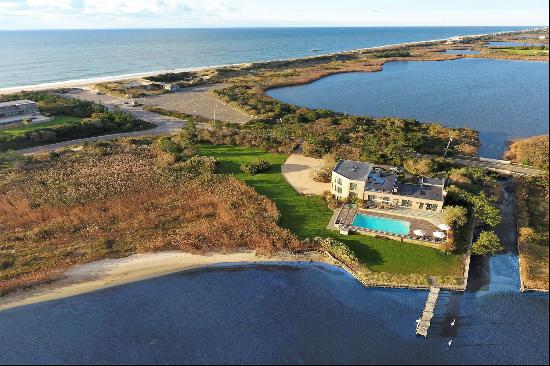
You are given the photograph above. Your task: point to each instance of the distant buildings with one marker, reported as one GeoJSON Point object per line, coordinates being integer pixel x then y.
{"type": "Point", "coordinates": [359, 180]}
{"type": "Point", "coordinates": [16, 112]}
{"type": "Point", "coordinates": [173, 87]}
{"type": "Point", "coordinates": [18, 108]}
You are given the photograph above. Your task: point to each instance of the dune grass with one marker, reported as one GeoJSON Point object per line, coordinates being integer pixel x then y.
{"type": "Point", "coordinates": [309, 217]}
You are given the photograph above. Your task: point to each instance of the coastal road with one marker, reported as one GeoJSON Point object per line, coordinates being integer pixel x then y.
{"type": "Point", "coordinates": [500, 166]}
{"type": "Point", "coordinates": [165, 125]}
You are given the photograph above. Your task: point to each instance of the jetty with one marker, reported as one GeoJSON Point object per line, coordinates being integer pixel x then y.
{"type": "Point", "coordinates": [424, 323]}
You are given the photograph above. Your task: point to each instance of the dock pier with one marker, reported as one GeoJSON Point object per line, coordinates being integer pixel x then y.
{"type": "Point", "coordinates": [428, 314]}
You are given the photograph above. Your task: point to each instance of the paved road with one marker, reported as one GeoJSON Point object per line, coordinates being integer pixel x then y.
{"type": "Point", "coordinates": [165, 125]}
{"type": "Point", "coordinates": [500, 166]}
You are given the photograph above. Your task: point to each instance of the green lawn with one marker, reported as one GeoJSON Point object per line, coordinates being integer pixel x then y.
{"type": "Point", "coordinates": [309, 216]}
{"type": "Point", "coordinates": [56, 121]}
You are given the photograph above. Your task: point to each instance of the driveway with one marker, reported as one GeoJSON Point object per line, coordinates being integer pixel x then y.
{"type": "Point", "coordinates": [298, 171]}
{"type": "Point", "coordinates": [198, 101]}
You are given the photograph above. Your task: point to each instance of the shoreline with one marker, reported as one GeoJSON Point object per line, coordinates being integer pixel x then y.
{"type": "Point", "coordinates": [114, 78]}
{"type": "Point", "coordinates": [107, 273]}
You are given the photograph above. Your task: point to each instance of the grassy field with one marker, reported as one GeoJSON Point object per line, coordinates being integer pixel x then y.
{"type": "Point", "coordinates": [309, 216]}
{"type": "Point", "coordinates": [56, 121]}
{"type": "Point", "coordinates": [524, 52]}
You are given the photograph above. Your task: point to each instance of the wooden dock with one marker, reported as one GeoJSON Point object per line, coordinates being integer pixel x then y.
{"type": "Point", "coordinates": [428, 314]}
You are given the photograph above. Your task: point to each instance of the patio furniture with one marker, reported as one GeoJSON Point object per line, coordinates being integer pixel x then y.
{"type": "Point", "coordinates": [419, 233]}
{"type": "Point", "coordinates": [439, 236]}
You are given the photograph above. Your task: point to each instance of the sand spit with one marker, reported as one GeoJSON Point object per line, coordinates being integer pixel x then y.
{"type": "Point", "coordinates": [107, 273]}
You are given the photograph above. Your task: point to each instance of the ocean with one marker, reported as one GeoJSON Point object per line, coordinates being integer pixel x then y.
{"type": "Point", "coordinates": [38, 57]}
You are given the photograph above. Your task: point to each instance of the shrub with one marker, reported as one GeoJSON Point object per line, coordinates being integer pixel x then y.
{"type": "Point", "coordinates": [530, 151]}
{"type": "Point", "coordinates": [332, 202]}
{"type": "Point", "coordinates": [335, 247]}
{"type": "Point", "coordinates": [419, 166]}
{"type": "Point", "coordinates": [255, 167]}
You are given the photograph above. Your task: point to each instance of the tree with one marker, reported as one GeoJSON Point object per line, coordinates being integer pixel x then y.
{"type": "Point", "coordinates": [189, 134]}
{"type": "Point", "coordinates": [484, 210]}
{"type": "Point", "coordinates": [488, 243]}
{"type": "Point", "coordinates": [482, 206]}
{"type": "Point", "coordinates": [419, 166]}
{"type": "Point", "coordinates": [455, 216]}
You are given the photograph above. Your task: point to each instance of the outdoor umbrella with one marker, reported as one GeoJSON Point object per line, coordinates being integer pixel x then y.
{"type": "Point", "coordinates": [440, 235]}
{"type": "Point", "coordinates": [419, 233]}
{"type": "Point", "coordinates": [444, 227]}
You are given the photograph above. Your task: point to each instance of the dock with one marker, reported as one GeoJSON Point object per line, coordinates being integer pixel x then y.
{"type": "Point", "coordinates": [424, 324]}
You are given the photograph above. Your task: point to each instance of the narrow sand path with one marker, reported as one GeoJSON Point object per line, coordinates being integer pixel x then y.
{"type": "Point", "coordinates": [298, 171]}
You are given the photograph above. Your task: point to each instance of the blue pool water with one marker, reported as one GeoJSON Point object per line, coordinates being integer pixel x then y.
{"type": "Point", "coordinates": [382, 224]}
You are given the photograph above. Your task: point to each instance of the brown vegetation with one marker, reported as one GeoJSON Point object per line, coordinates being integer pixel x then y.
{"type": "Point", "coordinates": [117, 199]}
{"type": "Point", "coordinates": [532, 207]}
{"type": "Point", "coordinates": [530, 151]}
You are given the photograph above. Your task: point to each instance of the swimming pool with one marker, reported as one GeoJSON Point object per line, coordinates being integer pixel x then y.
{"type": "Point", "coordinates": [383, 224]}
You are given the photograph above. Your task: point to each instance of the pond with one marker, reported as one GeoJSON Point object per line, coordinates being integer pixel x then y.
{"type": "Point", "coordinates": [502, 99]}
{"type": "Point", "coordinates": [510, 44]}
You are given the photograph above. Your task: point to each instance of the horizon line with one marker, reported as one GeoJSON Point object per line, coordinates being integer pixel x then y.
{"type": "Point", "coordinates": [270, 27]}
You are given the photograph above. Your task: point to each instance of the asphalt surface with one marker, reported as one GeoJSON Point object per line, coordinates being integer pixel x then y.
{"type": "Point", "coordinates": [165, 125]}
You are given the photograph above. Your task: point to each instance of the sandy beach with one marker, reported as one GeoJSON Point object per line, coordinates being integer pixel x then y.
{"type": "Point", "coordinates": [107, 273]}
{"type": "Point", "coordinates": [87, 83]}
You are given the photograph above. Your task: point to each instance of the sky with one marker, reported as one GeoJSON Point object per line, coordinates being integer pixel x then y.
{"type": "Point", "coordinates": [86, 14]}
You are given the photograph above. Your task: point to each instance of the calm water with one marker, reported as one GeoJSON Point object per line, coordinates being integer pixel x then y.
{"type": "Point", "coordinates": [275, 314]}
{"type": "Point", "coordinates": [500, 98]}
{"type": "Point", "coordinates": [509, 44]}
{"type": "Point", "coordinates": [382, 224]}
{"type": "Point", "coordinates": [35, 57]}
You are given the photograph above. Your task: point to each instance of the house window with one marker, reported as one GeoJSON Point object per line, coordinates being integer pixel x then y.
{"type": "Point", "coordinates": [395, 202]}
{"type": "Point", "coordinates": [421, 206]}
{"type": "Point", "coordinates": [386, 199]}
{"type": "Point", "coordinates": [339, 190]}
{"type": "Point", "coordinates": [353, 187]}
{"type": "Point", "coordinates": [371, 198]}
{"type": "Point", "coordinates": [406, 203]}
{"type": "Point", "coordinates": [339, 181]}
{"type": "Point", "coordinates": [431, 207]}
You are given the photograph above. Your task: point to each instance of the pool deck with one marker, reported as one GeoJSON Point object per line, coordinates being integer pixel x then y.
{"type": "Point", "coordinates": [346, 216]}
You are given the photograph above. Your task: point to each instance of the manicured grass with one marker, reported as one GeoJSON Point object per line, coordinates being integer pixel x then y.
{"type": "Point", "coordinates": [56, 121]}
{"type": "Point", "coordinates": [309, 217]}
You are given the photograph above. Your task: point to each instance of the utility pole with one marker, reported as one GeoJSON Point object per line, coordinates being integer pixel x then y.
{"type": "Point", "coordinates": [214, 112]}
{"type": "Point", "coordinates": [448, 146]}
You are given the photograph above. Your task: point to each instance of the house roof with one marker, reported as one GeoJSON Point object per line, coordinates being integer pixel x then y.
{"type": "Point", "coordinates": [421, 191]}
{"type": "Point", "coordinates": [377, 182]}
{"type": "Point", "coordinates": [433, 181]}
{"type": "Point", "coordinates": [16, 103]}
{"type": "Point", "coordinates": [353, 170]}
